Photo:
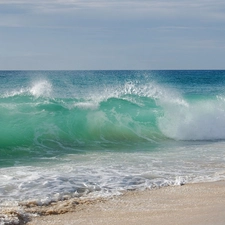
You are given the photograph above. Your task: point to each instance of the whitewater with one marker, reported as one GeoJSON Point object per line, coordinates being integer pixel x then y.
{"type": "Point", "coordinates": [99, 133]}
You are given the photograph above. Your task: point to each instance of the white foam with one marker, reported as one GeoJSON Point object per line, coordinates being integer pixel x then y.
{"type": "Point", "coordinates": [110, 172]}
{"type": "Point", "coordinates": [86, 105]}
{"type": "Point", "coordinates": [13, 93]}
{"type": "Point", "coordinates": [130, 91]}
{"type": "Point", "coordinates": [105, 174]}
{"type": "Point", "coordinates": [203, 120]}
{"type": "Point", "coordinates": [154, 91]}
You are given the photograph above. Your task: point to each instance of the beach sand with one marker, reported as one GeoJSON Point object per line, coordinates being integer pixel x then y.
{"type": "Point", "coordinates": [202, 203]}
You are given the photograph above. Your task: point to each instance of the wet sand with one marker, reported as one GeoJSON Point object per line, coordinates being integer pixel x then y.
{"type": "Point", "coordinates": [194, 204]}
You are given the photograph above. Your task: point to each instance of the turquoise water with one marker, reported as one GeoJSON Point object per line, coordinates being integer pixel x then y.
{"type": "Point", "coordinates": [101, 132]}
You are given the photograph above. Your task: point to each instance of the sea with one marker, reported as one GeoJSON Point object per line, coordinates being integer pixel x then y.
{"type": "Point", "coordinates": [100, 133]}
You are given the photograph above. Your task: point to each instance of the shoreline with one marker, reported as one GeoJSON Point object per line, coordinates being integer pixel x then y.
{"type": "Point", "coordinates": [197, 203]}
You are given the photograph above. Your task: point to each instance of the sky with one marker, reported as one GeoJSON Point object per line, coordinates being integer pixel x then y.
{"type": "Point", "coordinates": [112, 34]}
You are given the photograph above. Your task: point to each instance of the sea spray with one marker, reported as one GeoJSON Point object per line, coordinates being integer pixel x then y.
{"type": "Point", "coordinates": [203, 120]}
{"type": "Point", "coordinates": [41, 88]}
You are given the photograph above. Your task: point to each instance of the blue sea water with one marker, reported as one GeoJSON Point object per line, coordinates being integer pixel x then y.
{"type": "Point", "coordinates": [102, 132]}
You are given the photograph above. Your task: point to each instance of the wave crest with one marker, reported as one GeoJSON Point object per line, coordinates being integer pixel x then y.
{"type": "Point", "coordinates": [41, 88]}
{"type": "Point", "coordinates": [201, 120]}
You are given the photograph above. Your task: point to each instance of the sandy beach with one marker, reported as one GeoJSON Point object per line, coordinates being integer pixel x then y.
{"type": "Point", "coordinates": [202, 203]}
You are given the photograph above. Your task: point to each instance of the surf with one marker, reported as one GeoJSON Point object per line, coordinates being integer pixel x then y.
{"type": "Point", "coordinates": [66, 134]}
{"type": "Point", "coordinates": [128, 112]}
{"type": "Point", "coordinates": [50, 116]}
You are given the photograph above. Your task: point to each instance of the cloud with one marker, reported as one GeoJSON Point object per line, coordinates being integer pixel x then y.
{"type": "Point", "coordinates": [111, 33]}
{"type": "Point", "coordinates": [134, 5]}
{"type": "Point", "coordinates": [63, 14]}
{"type": "Point", "coordinates": [127, 8]}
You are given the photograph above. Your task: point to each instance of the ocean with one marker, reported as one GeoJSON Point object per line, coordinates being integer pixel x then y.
{"type": "Point", "coordinates": [99, 133]}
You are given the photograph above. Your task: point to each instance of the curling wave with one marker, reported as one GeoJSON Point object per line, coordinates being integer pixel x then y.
{"type": "Point", "coordinates": [131, 112]}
